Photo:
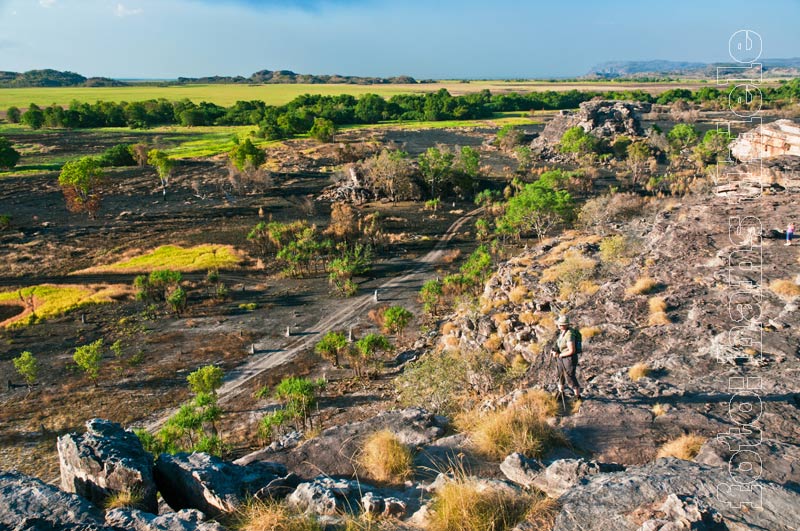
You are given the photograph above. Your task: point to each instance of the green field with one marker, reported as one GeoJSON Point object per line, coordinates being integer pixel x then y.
{"type": "Point", "coordinates": [280, 94]}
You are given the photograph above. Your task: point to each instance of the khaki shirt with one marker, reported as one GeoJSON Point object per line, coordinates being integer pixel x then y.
{"type": "Point", "coordinates": [564, 339]}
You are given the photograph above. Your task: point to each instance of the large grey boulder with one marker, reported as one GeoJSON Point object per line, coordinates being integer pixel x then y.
{"type": "Point", "coordinates": [104, 460]}
{"type": "Point", "coordinates": [213, 486]}
{"type": "Point", "coordinates": [333, 451]}
{"type": "Point", "coordinates": [780, 462]}
{"type": "Point", "coordinates": [27, 503]}
{"type": "Point", "coordinates": [626, 500]}
{"type": "Point", "coordinates": [184, 520]}
{"type": "Point", "coordinates": [555, 479]}
{"type": "Point", "coordinates": [326, 496]}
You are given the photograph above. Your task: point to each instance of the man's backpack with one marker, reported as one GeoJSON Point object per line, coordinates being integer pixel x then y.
{"type": "Point", "coordinates": [578, 340]}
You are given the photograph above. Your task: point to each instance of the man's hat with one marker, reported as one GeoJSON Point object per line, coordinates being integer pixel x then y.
{"type": "Point", "coordinates": [562, 320]}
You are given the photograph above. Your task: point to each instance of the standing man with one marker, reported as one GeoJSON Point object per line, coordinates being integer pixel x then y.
{"type": "Point", "coordinates": [566, 354]}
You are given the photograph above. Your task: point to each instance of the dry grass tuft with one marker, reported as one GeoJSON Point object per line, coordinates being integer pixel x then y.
{"type": "Point", "coordinates": [492, 343]}
{"type": "Point", "coordinates": [273, 516]}
{"type": "Point", "coordinates": [385, 459]}
{"type": "Point", "coordinates": [684, 447]}
{"type": "Point", "coordinates": [590, 332]}
{"type": "Point", "coordinates": [518, 294]}
{"type": "Point", "coordinates": [123, 500]}
{"type": "Point", "coordinates": [528, 318]}
{"type": "Point", "coordinates": [658, 312]}
{"type": "Point", "coordinates": [521, 427]}
{"type": "Point", "coordinates": [643, 286]}
{"type": "Point", "coordinates": [638, 371]}
{"type": "Point", "coordinates": [463, 505]}
{"type": "Point", "coordinates": [448, 327]}
{"type": "Point", "coordinates": [785, 289]}
{"type": "Point", "coordinates": [659, 409]}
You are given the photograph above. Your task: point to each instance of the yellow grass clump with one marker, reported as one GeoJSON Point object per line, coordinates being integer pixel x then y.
{"type": "Point", "coordinates": [658, 312]}
{"type": "Point", "coordinates": [46, 300]}
{"type": "Point", "coordinates": [492, 343]}
{"type": "Point", "coordinates": [448, 327]}
{"type": "Point", "coordinates": [590, 332]}
{"type": "Point", "coordinates": [785, 289]}
{"type": "Point", "coordinates": [272, 516]}
{"type": "Point", "coordinates": [638, 371]}
{"type": "Point", "coordinates": [643, 286]}
{"type": "Point", "coordinates": [528, 318]}
{"type": "Point", "coordinates": [521, 427]}
{"type": "Point", "coordinates": [518, 294]}
{"type": "Point", "coordinates": [385, 459]}
{"type": "Point", "coordinates": [176, 258]}
{"type": "Point", "coordinates": [463, 504]}
{"type": "Point", "coordinates": [659, 409]}
{"type": "Point", "coordinates": [684, 447]}
{"type": "Point", "coordinates": [123, 499]}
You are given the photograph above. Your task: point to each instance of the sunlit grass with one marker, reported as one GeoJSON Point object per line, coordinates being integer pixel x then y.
{"type": "Point", "coordinates": [52, 301]}
{"type": "Point", "coordinates": [684, 447]}
{"type": "Point", "coordinates": [176, 258]}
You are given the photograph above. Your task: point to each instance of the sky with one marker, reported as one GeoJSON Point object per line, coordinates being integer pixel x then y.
{"type": "Point", "coordinates": [440, 39]}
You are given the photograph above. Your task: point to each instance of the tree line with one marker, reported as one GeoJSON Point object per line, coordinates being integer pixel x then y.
{"type": "Point", "coordinates": [299, 115]}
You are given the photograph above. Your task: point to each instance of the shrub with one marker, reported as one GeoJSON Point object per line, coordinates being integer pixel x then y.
{"type": "Point", "coordinates": [5, 221]}
{"type": "Point", "coordinates": [572, 274]}
{"type": "Point", "coordinates": [8, 155]}
{"type": "Point", "coordinates": [27, 366]}
{"type": "Point", "coordinates": [518, 294]}
{"type": "Point", "coordinates": [618, 250]}
{"type": "Point", "coordinates": [785, 289]}
{"type": "Point", "coordinates": [576, 140]}
{"type": "Point", "coordinates": [600, 212]}
{"type": "Point", "coordinates": [258, 515]}
{"type": "Point", "coordinates": [88, 357]}
{"type": "Point", "coordinates": [658, 312]}
{"type": "Point", "coordinates": [643, 286]}
{"type": "Point", "coordinates": [365, 352]}
{"type": "Point", "coordinates": [463, 505]}
{"type": "Point", "coordinates": [119, 155]}
{"type": "Point", "coordinates": [684, 447]}
{"type": "Point", "coordinates": [638, 371]}
{"type": "Point", "coordinates": [323, 130]}
{"type": "Point", "coordinates": [247, 157]}
{"type": "Point", "coordinates": [206, 380]}
{"type": "Point", "coordinates": [436, 382]}
{"type": "Point", "coordinates": [396, 319]}
{"type": "Point", "coordinates": [177, 300]}
{"type": "Point", "coordinates": [385, 459]}
{"type": "Point", "coordinates": [249, 306]}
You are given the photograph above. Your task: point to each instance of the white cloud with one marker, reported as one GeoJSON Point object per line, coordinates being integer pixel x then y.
{"type": "Point", "coordinates": [123, 11]}
{"type": "Point", "coordinates": [47, 3]}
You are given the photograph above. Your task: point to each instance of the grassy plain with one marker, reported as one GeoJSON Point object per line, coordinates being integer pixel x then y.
{"type": "Point", "coordinates": [280, 94]}
{"type": "Point", "coordinates": [47, 301]}
{"type": "Point", "coordinates": [199, 258]}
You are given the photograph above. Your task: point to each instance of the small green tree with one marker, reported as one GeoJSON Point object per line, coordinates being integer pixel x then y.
{"type": "Point", "coordinates": [365, 352]}
{"type": "Point", "coordinates": [81, 182]}
{"type": "Point", "coordinates": [431, 296]}
{"type": "Point", "coordinates": [396, 319]}
{"type": "Point", "coordinates": [8, 155]}
{"type": "Point", "coordinates": [13, 115]}
{"type": "Point", "coordinates": [539, 205]}
{"type": "Point", "coordinates": [299, 397]}
{"type": "Point", "coordinates": [163, 165]}
{"type": "Point", "coordinates": [323, 130]}
{"type": "Point", "coordinates": [246, 157]}
{"type": "Point", "coordinates": [639, 155]}
{"type": "Point", "coordinates": [436, 166]}
{"type": "Point", "coordinates": [682, 136]}
{"type": "Point", "coordinates": [88, 358]}
{"type": "Point", "coordinates": [206, 380]}
{"type": "Point", "coordinates": [331, 346]}
{"type": "Point", "coordinates": [177, 300]}
{"type": "Point", "coordinates": [27, 366]}
{"type": "Point", "coordinates": [577, 141]}
{"type": "Point", "coordinates": [33, 117]}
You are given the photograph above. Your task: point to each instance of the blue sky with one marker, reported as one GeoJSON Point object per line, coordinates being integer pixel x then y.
{"type": "Point", "coordinates": [421, 38]}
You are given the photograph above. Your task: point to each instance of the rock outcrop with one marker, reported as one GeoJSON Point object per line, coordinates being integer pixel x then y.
{"type": "Point", "coordinates": [671, 490]}
{"type": "Point", "coordinates": [781, 137]}
{"type": "Point", "coordinates": [104, 460]}
{"type": "Point", "coordinates": [27, 503]}
{"type": "Point", "coordinates": [213, 486]}
{"type": "Point", "coordinates": [332, 452]}
{"type": "Point", "coordinates": [603, 119]}
{"type": "Point", "coordinates": [184, 520]}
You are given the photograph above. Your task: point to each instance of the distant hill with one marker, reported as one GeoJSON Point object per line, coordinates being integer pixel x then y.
{"type": "Point", "coordinates": [661, 68]}
{"type": "Point", "coordinates": [55, 78]}
{"type": "Point", "coordinates": [289, 77]}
